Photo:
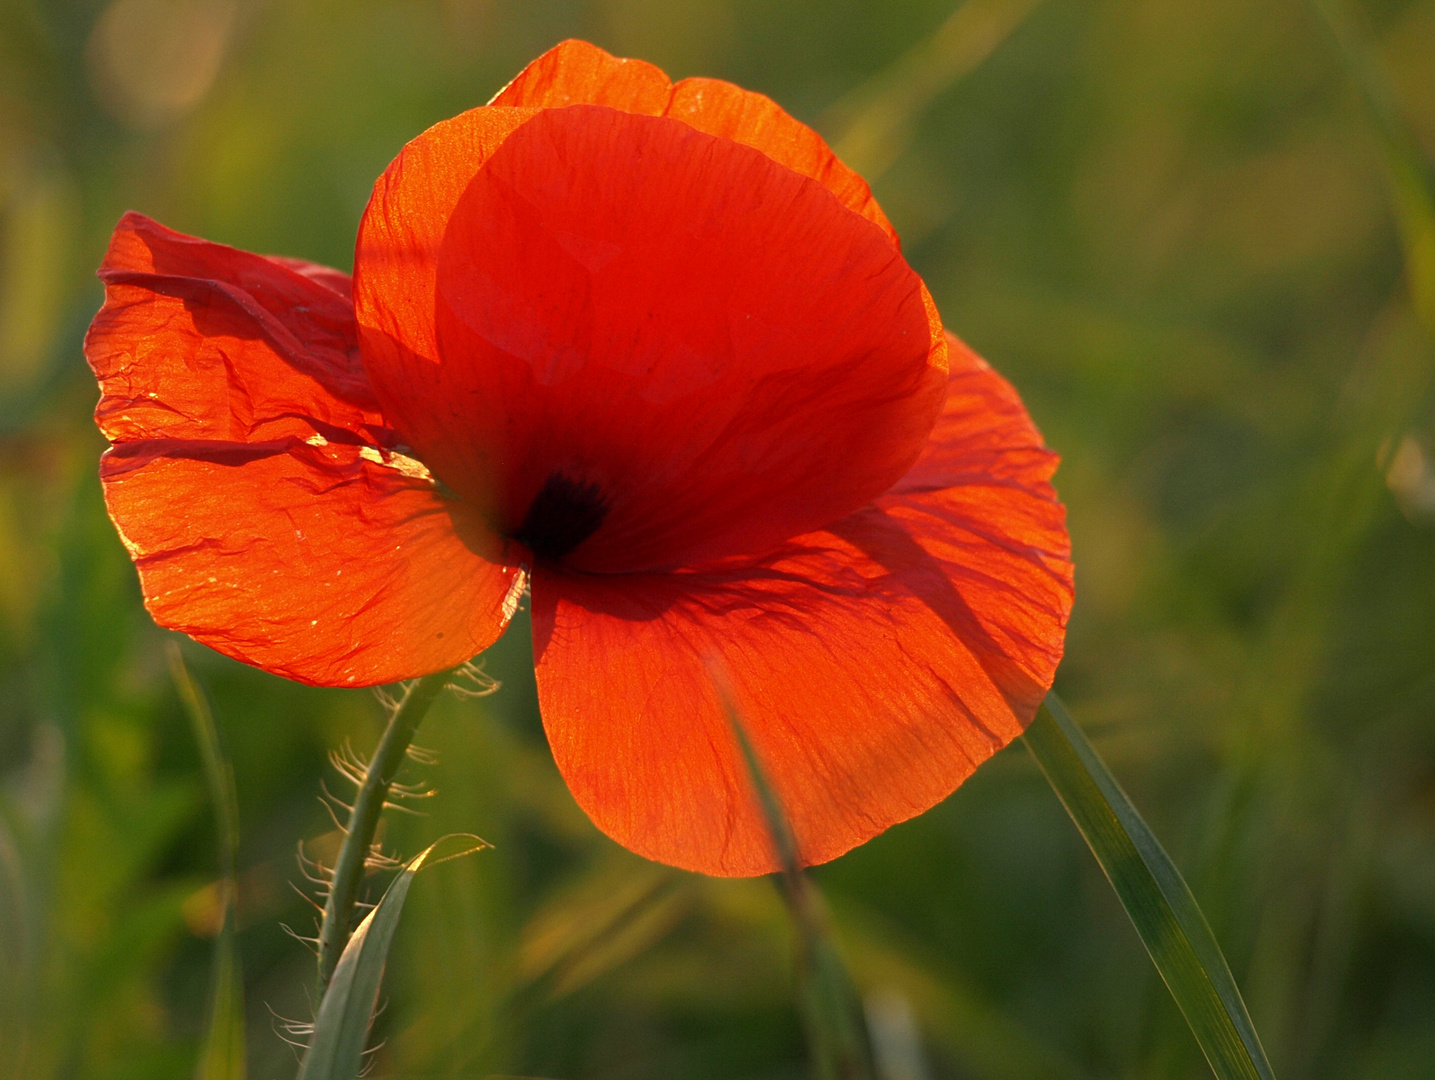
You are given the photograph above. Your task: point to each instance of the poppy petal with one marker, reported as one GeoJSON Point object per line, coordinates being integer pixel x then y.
{"type": "Point", "coordinates": [316, 563]}
{"type": "Point", "coordinates": [874, 664]}
{"type": "Point", "coordinates": [289, 358]}
{"type": "Point", "coordinates": [399, 237]}
{"type": "Point", "coordinates": [334, 280]}
{"type": "Point", "coordinates": [576, 73]}
{"type": "Point", "coordinates": [252, 477]}
{"type": "Point", "coordinates": [396, 255]}
{"type": "Point", "coordinates": [711, 343]}
{"type": "Point", "coordinates": [983, 435]}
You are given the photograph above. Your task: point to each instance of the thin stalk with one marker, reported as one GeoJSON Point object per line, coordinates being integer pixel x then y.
{"type": "Point", "coordinates": [222, 1052]}
{"type": "Point", "coordinates": [831, 1011]}
{"type": "Point", "coordinates": [1155, 896]}
{"type": "Point", "coordinates": [364, 819]}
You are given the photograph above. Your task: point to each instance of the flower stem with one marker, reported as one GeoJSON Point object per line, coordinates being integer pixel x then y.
{"type": "Point", "coordinates": [364, 819]}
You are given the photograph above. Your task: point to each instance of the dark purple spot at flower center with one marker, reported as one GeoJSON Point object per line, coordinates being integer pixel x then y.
{"type": "Point", "coordinates": [563, 514]}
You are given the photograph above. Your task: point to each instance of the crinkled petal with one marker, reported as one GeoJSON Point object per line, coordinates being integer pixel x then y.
{"type": "Point", "coordinates": [318, 563]}
{"type": "Point", "coordinates": [709, 341]}
{"type": "Point", "coordinates": [577, 73]}
{"type": "Point", "coordinates": [275, 343]}
{"type": "Point", "coordinates": [252, 477]}
{"type": "Point", "coordinates": [983, 436]}
{"type": "Point", "coordinates": [875, 664]}
{"type": "Point", "coordinates": [333, 280]}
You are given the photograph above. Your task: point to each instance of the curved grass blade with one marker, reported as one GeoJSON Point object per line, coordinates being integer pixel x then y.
{"type": "Point", "coordinates": [832, 1013]}
{"type": "Point", "coordinates": [1411, 172]}
{"type": "Point", "coordinates": [222, 1055]}
{"type": "Point", "coordinates": [336, 1050]}
{"type": "Point", "coordinates": [1155, 896]}
{"type": "Point", "coordinates": [873, 125]}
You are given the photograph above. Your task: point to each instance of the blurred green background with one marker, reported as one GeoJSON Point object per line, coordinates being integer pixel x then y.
{"type": "Point", "coordinates": [1171, 223]}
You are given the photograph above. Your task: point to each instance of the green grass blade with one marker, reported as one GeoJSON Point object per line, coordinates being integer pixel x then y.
{"type": "Point", "coordinates": [336, 1051]}
{"type": "Point", "coordinates": [1410, 170]}
{"type": "Point", "coordinates": [341, 1030]}
{"type": "Point", "coordinates": [222, 1054]}
{"type": "Point", "coordinates": [832, 1013]}
{"type": "Point", "coordinates": [872, 126]}
{"type": "Point", "coordinates": [1154, 894]}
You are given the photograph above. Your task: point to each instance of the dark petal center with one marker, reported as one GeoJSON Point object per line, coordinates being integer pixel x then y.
{"type": "Point", "coordinates": [563, 514]}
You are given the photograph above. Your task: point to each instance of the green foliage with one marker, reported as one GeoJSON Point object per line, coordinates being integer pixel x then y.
{"type": "Point", "coordinates": [1153, 893]}
{"type": "Point", "coordinates": [1410, 169]}
{"type": "Point", "coordinates": [374, 780]}
{"type": "Point", "coordinates": [341, 1029]}
{"type": "Point", "coordinates": [222, 1055]}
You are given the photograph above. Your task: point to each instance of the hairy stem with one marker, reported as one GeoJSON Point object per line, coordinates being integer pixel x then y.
{"type": "Point", "coordinates": [364, 819]}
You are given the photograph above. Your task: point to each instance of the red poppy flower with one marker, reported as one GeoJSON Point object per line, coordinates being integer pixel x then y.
{"type": "Point", "coordinates": [653, 347]}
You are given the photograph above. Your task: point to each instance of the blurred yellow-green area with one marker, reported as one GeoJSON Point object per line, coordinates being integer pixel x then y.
{"type": "Point", "coordinates": [1190, 231]}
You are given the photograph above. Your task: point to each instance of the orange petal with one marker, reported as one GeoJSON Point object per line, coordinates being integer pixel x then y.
{"type": "Point", "coordinates": [714, 345]}
{"type": "Point", "coordinates": [577, 73]}
{"type": "Point", "coordinates": [983, 435]}
{"type": "Point", "coordinates": [334, 280]}
{"type": "Point", "coordinates": [875, 664]}
{"type": "Point", "coordinates": [574, 72]}
{"type": "Point", "coordinates": [396, 255]}
{"type": "Point", "coordinates": [252, 480]}
{"type": "Point", "coordinates": [316, 563]}
{"type": "Point", "coordinates": [270, 352]}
